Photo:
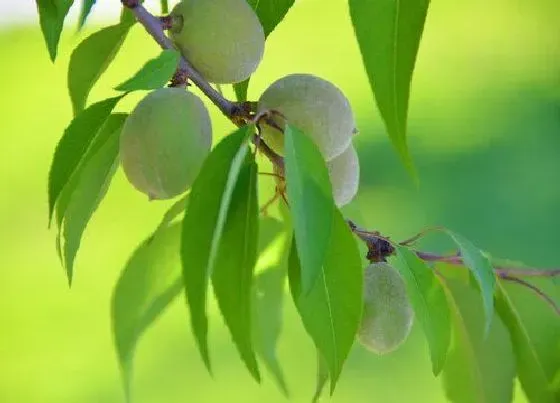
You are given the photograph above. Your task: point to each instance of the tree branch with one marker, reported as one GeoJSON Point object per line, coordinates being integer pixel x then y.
{"type": "Point", "coordinates": [545, 297]}
{"type": "Point", "coordinates": [380, 247]}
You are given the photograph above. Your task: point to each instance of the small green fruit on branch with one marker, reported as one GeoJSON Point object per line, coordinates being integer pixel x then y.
{"type": "Point", "coordinates": [164, 142]}
{"type": "Point", "coordinates": [154, 27]}
{"type": "Point", "coordinates": [222, 39]}
{"type": "Point", "coordinates": [313, 105]}
{"type": "Point", "coordinates": [387, 315]}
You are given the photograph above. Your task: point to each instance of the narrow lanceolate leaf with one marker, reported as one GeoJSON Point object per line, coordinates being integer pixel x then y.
{"type": "Point", "coordinates": [148, 284]}
{"type": "Point", "coordinates": [232, 275]}
{"type": "Point", "coordinates": [110, 128]}
{"type": "Point", "coordinates": [311, 203]}
{"type": "Point", "coordinates": [388, 34]}
{"type": "Point", "coordinates": [478, 369]}
{"type": "Point", "coordinates": [322, 377]}
{"type": "Point", "coordinates": [332, 310]}
{"type": "Point", "coordinates": [90, 59]}
{"type": "Point", "coordinates": [73, 145]}
{"type": "Point", "coordinates": [534, 329]}
{"type": "Point", "coordinates": [87, 5]}
{"type": "Point", "coordinates": [91, 188]}
{"type": "Point", "coordinates": [268, 299]}
{"type": "Point", "coordinates": [154, 74]}
{"type": "Point", "coordinates": [270, 13]}
{"type": "Point", "coordinates": [481, 268]}
{"type": "Point", "coordinates": [203, 225]}
{"type": "Point", "coordinates": [429, 302]}
{"type": "Point", "coordinates": [51, 18]}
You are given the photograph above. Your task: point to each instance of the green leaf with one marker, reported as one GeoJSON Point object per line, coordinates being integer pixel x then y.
{"type": "Point", "coordinates": [429, 302]}
{"type": "Point", "coordinates": [203, 225]}
{"type": "Point", "coordinates": [51, 18]}
{"type": "Point", "coordinates": [268, 300]}
{"type": "Point", "coordinates": [332, 310]}
{"type": "Point", "coordinates": [73, 145]}
{"type": "Point", "coordinates": [154, 74]}
{"type": "Point", "coordinates": [481, 268]}
{"type": "Point", "coordinates": [148, 284]}
{"type": "Point", "coordinates": [311, 203]}
{"type": "Point", "coordinates": [322, 377]}
{"type": "Point", "coordinates": [270, 13]}
{"type": "Point", "coordinates": [90, 189]}
{"type": "Point", "coordinates": [388, 34]}
{"type": "Point", "coordinates": [90, 59]}
{"type": "Point", "coordinates": [113, 124]}
{"type": "Point", "coordinates": [87, 5]}
{"type": "Point", "coordinates": [478, 369]}
{"type": "Point", "coordinates": [232, 275]}
{"type": "Point", "coordinates": [152, 280]}
{"type": "Point", "coordinates": [534, 328]}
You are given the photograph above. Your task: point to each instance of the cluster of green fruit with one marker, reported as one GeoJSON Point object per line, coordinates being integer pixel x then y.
{"type": "Point", "coordinates": [168, 135]}
{"type": "Point", "coordinates": [387, 315]}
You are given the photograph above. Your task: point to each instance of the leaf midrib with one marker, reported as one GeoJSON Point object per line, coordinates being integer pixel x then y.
{"type": "Point", "coordinates": [472, 357]}
{"type": "Point", "coordinates": [424, 301]}
{"type": "Point", "coordinates": [331, 320]}
{"type": "Point", "coordinates": [523, 331]}
{"type": "Point", "coordinates": [394, 70]}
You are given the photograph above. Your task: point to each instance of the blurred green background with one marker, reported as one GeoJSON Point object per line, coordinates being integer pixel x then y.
{"type": "Point", "coordinates": [484, 132]}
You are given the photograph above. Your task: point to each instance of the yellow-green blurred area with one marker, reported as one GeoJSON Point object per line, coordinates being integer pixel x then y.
{"type": "Point", "coordinates": [484, 131]}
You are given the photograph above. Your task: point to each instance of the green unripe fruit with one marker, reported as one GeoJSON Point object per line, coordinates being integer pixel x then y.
{"type": "Point", "coordinates": [344, 173]}
{"type": "Point", "coordinates": [164, 141]}
{"type": "Point", "coordinates": [313, 105]}
{"type": "Point", "coordinates": [223, 39]}
{"type": "Point", "coordinates": [387, 316]}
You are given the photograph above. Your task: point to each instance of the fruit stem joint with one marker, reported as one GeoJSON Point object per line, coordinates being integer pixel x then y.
{"type": "Point", "coordinates": [179, 79]}
{"type": "Point", "coordinates": [171, 22]}
{"type": "Point", "coordinates": [379, 248]}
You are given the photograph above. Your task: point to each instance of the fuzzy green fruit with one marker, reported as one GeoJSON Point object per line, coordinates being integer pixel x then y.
{"type": "Point", "coordinates": [387, 316]}
{"type": "Point", "coordinates": [344, 173]}
{"type": "Point", "coordinates": [164, 142]}
{"type": "Point", "coordinates": [223, 39]}
{"type": "Point", "coordinates": [313, 105]}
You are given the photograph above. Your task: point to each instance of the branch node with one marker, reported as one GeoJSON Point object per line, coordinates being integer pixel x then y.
{"type": "Point", "coordinates": [166, 22]}
{"type": "Point", "coordinates": [180, 78]}
{"type": "Point", "coordinates": [379, 250]}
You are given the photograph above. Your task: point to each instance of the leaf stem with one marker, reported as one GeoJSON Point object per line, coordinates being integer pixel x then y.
{"type": "Point", "coordinates": [545, 297]}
